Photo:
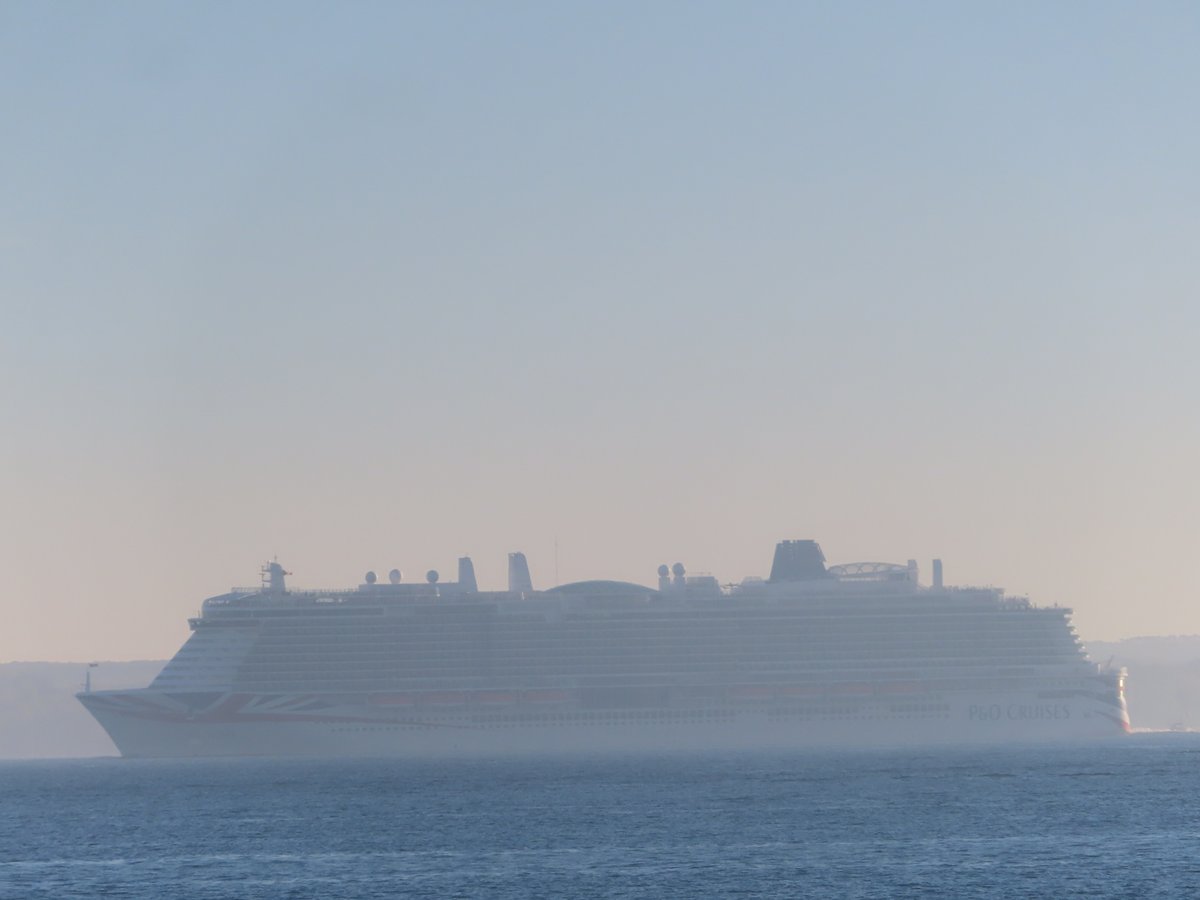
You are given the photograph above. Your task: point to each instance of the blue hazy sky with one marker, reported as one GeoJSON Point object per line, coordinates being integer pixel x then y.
{"type": "Point", "coordinates": [372, 285]}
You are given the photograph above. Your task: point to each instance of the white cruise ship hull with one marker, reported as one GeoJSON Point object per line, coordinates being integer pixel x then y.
{"type": "Point", "coordinates": [854, 655]}
{"type": "Point", "coordinates": [146, 723]}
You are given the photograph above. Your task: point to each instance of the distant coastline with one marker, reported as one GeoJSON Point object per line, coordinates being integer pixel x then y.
{"type": "Point", "coordinates": [40, 717]}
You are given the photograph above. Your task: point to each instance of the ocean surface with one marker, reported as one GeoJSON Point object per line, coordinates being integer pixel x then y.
{"type": "Point", "coordinates": [1111, 820]}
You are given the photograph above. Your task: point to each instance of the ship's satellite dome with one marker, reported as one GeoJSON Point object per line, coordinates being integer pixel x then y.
{"type": "Point", "coordinates": [370, 579]}
{"type": "Point", "coordinates": [394, 576]}
{"type": "Point", "coordinates": [663, 571]}
{"type": "Point", "coordinates": [677, 569]}
{"type": "Point", "coordinates": [431, 576]}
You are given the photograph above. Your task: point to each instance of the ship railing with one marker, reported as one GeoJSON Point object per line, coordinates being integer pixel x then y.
{"type": "Point", "coordinates": [259, 599]}
{"type": "Point", "coordinates": [227, 600]}
{"type": "Point", "coordinates": [1015, 603]}
{"type": "Point", "coordinates": [344, 592]}
{"type": "Point", "coordinates": [332, 593]}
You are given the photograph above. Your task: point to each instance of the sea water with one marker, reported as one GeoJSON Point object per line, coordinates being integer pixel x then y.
{"type": "Point", "coordinates": [1119, 819]}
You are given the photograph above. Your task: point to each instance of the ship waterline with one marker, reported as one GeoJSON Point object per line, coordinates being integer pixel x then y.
{"type": "Point", "coordinates": [812, 656]}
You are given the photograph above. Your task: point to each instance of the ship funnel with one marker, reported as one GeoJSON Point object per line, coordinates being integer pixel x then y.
{"type": "Point", "coordinates": [466, 574]}
{"type": "Point", "coordinates": [798, 561]}
{"type": "Point", "coordinates": [937, 573]}
{"type": "Point", "coordinates": [519, 581]}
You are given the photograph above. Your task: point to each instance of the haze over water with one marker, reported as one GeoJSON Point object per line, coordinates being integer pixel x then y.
{"type": "Point", "coordinates": [616, 285]}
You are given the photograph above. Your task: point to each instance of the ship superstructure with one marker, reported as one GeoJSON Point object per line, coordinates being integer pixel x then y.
{"type": "Point", "coordinates": [850, 654]}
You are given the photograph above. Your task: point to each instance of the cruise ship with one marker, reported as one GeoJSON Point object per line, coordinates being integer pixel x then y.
{"type": "Point", "coordinates": [859, 654]}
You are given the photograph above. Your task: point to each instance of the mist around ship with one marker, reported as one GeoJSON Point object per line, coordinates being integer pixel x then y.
{"type": "Point", "coordinates": [375, 287]}
{"type": "Point", "coordinates": [379, 287]}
